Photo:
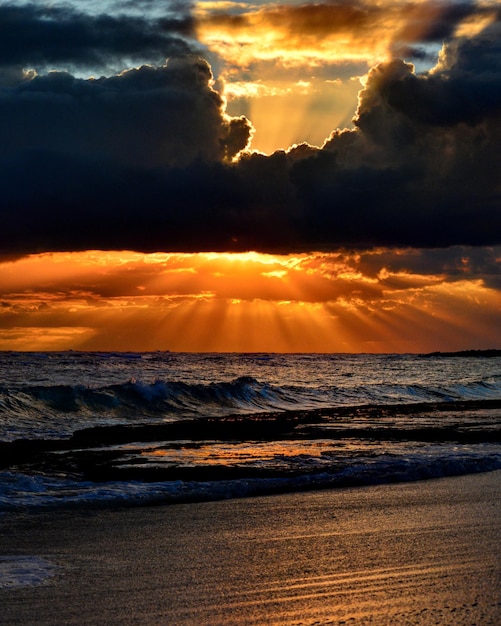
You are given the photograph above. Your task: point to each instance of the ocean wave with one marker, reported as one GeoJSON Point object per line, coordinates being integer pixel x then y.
{"type": "Point", "coordinates": [243, 393]}
{"type": "Point", "coordinates": [55, 410]}
{"type": "Point", "coordinates": [136, 397]}
{"type": "Point", "coordinates": [19, 492]}
{"type": "Point", "coordinates": [114, 429]}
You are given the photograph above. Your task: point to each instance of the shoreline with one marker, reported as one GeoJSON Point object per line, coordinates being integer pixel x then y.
{"type": "Point", "coordinates": [422, 553]}
{"type": "Point", "coordinates": [149, 452]}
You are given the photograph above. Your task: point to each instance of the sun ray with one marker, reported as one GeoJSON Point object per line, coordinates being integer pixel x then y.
{"type": "Point", "coordinates": [244, 302]}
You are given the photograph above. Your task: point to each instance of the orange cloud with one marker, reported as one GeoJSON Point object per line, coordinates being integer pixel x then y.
{"type": "Point", "coordinates": [307, 34]}
{"type": "Point", "coordinates": [246, 302]}
{"type": "Point", "coordinates": [315, 33]}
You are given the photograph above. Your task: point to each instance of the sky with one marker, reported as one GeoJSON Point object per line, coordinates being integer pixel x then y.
{"type": "Point", "coordinates": [298, 176]}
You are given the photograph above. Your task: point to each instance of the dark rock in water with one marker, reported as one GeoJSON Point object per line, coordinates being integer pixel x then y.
{"type": "Point", "coordinates": [128, 452]}
{"type": "Point", "coordinates": [466, 353]}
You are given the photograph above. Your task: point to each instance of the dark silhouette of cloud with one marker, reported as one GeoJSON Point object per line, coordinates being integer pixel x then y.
{"type": "Point", "coordinates": [422, 167]}
{"type": "Point", "coordinates": [43, 35]}
{"type": "Point", "coordinates": [143, 160]}
{"type": "Point", "coordinates": [147, 117]}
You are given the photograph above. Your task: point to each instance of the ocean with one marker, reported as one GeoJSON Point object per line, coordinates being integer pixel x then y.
{"type": "Point", "coordinates": [87, 430]}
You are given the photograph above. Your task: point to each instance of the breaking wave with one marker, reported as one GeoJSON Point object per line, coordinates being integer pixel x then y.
{"type": "Point", "coordinates": [24, 492]}
{"type": "Point", "coordinates": [61, 409]}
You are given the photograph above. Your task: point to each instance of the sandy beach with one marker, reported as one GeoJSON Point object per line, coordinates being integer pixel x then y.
{"type": "Point", "coordinates": [415, 553]}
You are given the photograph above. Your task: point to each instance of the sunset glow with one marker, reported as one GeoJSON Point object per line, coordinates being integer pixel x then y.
{"type": "Point", "coordinates": [243, 302]}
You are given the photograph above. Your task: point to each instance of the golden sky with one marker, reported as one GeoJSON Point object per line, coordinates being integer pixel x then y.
{"type": "Point", "coordinates": [332, 132]}
{"type": "Point", "coordinates": [243, 302]}
{"type": "Point", "coordinates": [294, 68]}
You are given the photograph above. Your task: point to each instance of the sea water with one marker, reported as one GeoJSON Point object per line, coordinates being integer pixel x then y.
{"type": "Point", "coordinates": [80, 429]}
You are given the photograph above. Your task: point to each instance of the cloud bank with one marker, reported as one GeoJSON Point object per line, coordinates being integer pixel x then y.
{"type": "Point", "coordinates": [148, 160]}
{"type": "Point", "coordinates": [45, 35]}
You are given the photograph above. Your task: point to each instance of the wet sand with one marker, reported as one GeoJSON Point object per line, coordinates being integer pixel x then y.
{"type": "Point", "coordinates": [416, 553]}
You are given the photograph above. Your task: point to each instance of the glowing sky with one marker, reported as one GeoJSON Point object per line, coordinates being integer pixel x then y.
{"type": "Point", "coordinates": [250, 176]}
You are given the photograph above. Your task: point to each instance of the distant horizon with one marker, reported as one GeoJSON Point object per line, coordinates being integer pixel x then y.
{"type": "Point", "coordinates": [488, 352]}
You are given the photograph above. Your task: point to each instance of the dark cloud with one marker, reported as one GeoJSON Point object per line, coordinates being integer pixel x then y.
{"type": "Point", "coordinates": [142, 161]}
{"type": "Point", "coordinates": [436, 20]}
{"type": "Point", "coordinates": [133, 160]}
{"type": "Point", "coordinates": [420, 169]}
{"type": "Point", "coordinates": [145, 117]}
{"type": "Point", "coordinates": [422, 166]}
{"type": "Point", "coordinates": [453, 263]}
{"type": "Point", "coordinates": [44, 35]}
{"type": "Point", "coordinates": [60, 202]}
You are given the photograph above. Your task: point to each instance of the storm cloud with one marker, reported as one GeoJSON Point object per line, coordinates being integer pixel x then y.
{"type": "Point", "coordinates": [422, 166]}
{"type": "Point", "coordinates": [148, 160]}
{"type": "Point", "coordinates": [149, 116]}
{"type": "Point", "coordinates": [42, 36]}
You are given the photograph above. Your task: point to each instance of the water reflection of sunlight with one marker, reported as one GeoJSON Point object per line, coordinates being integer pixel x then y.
{"type": "Point", "coordinates": [250, 453]}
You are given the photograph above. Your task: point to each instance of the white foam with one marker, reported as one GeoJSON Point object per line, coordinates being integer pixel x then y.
{"type": "Point", "coordinates": [24, 571]}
